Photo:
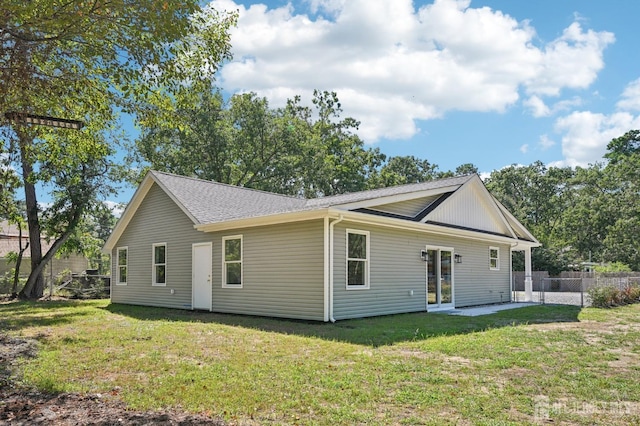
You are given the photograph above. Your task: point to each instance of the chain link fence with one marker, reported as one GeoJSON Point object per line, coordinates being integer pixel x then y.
{"type": "Point", "coordinates": [570, 288]}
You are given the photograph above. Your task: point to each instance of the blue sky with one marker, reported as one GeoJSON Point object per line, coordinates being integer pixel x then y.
{"type": "Point", "coordinates": [489, 82]}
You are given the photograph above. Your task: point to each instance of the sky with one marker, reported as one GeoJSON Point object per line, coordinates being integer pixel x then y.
{"type": "Point", "coordinates": [488, 82]}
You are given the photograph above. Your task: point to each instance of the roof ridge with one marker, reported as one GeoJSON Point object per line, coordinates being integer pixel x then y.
{"type": "Point", "coordinates": [228, 185]}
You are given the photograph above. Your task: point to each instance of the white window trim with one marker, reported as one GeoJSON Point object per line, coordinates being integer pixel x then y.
{"type": "Point", "coordinates": [224, 262]}
{"type": "Point", "coordinates": [497, 258]}
{"type": "Point", "coordinates": [367, 280]}
{"type": "Point", "coordinates": [118, 249]}
{"type": "Point", "coordinates": [153, 264]}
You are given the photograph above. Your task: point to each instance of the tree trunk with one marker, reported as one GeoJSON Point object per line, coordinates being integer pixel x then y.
{"type": "Point", "coordinates": [37, 272]}
{"type": "Point", "coordinates": [16, 274]}
{"type": "Point", "coordinates": [34, 288]}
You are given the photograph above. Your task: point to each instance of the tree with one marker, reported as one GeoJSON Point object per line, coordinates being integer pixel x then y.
{"type": "Point", "coordinates": [466, 169]}
{"type": "Point", "coordinates": [245, 142]}
{"type": "Point", "coordinates": [80, 59]}
{"type": "Point", "coordinates": [538, 197]}
{"type": "Point", "coordinates": [622, 242]}
{"type": "Point", "coordinates": [401, 170]}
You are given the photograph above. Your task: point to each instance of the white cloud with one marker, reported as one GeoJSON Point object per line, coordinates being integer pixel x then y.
{"type": "Point", "coordinates": [115, 207]}
{"type": "Point", "coordinates": [392, 64]}
{"type": "Point", "coordinates": [571, 61]}
{"type": "Point", "coordinates": [537, 107]}
{"type": "Point", "coordinates": [545, 143]}
{"type": "Point", "coordinates": [587, 134]}
{"type": "Point", "coordinates": [524, 148]}
{"type": "Point", "coordinates": [630, 97]}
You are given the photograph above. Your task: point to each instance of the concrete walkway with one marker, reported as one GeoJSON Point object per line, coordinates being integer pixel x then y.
{"type": "Point", "coordinates": [487, 309]}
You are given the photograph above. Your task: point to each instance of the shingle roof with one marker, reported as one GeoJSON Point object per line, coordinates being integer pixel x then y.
{"type": "Point", "coordinates": [10, 240]}
{"type": "Point", "coordinates": [354, 197]}
{"type": "Point", "coordinates": [7, 229]}
{"type": "Point", "coordinates": [212, 202]}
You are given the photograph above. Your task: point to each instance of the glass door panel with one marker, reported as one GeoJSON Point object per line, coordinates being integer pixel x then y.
{"type": "Point", "coordinates": [446, 282]}
{"type": "Point", "coordinates": [439, 278]}
{"type": "Point", "coordinates": [432, 277]}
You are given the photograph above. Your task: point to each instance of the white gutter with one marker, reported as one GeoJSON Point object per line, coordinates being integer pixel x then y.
{"type": "Point", "coordinates": [334, 223]}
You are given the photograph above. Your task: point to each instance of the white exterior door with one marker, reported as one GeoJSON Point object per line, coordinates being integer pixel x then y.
{"type": "Point", "coordinates": [439, 278]}
{"type": "Point", "coordinates": [201, 279]}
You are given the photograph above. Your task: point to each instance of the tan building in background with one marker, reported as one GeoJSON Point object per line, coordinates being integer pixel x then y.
{"type": "Point", "coordinates": [10, 242]}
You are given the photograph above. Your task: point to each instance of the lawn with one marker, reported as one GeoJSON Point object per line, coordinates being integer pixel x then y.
{"type": "Point", "coordinates": [528, 365]}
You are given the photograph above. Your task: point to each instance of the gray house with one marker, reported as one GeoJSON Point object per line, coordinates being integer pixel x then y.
{"type": "Point", "coordinates": [192, 244]}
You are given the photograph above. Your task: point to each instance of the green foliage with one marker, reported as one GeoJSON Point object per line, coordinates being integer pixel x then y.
{"type": "Point", "coordinates": [401, 170]}
{"type": "Point", "coordinates": [612, 267]}
{"type": "Point", "coordinates": [586, 214]}
{"type": "Point", "coordinates": [90, 60]}
{"type": "Point", "coordinates": [611, 296]}
{"type": "Point", "coordinates": [245, 142]}
{"type": "Point", "coordinates": [294, 150]}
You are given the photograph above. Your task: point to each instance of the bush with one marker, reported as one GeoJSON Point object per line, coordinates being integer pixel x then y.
{"type": "Point", "coordinates": [6, 282]}
{"type": "Point", "coordinates": [609, 296]}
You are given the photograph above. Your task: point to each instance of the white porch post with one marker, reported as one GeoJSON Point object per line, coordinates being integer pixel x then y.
{"type": "Point", "coordinates": [528, 282]}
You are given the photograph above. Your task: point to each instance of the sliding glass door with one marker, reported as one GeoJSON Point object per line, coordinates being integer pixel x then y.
{"type": "Point", "coordinates": [439, 278]}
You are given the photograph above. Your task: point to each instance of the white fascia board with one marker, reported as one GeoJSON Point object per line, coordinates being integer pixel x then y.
{"type": "Point", "coordinates": [511, 217]}
{"type": "Point", "coordinates": [273, 219]}
{"type": "Point", "coordinates": [377, 201]}
{"type": "Point", "coordinates": [128, 213]}
{"type": "Point", "coordinates": [522, 244]}
{"type": "Point", "coordinates": [492, 201]}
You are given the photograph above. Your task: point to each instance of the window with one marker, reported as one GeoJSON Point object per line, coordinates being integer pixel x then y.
{"type": "Point", "coordinates": [159, 264]}
{"type": "Point", "coordinates": [121, 262]}
{"type": "Point", "coordinates": [494, 258]}
{"type": "Point", "coordinates": [232, 261]}
{"type": "Point", "coordinates": [357, 259]}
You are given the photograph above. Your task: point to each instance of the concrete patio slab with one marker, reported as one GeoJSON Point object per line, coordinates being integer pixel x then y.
{"type": "Point", "coordinates": [487, 309]}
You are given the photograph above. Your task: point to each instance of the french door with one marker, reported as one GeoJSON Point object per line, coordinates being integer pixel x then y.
{"type": "Point", "coordinates": [439, 278]}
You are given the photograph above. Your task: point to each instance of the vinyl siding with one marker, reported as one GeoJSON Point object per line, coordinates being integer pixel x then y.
{"type": "Point", "coordinates": [469, 209]}
{"type": "Point", "coordinates": [396, 269]}
{"type": "Point", "coordinates": [157, 220]}
{"type": "Point", "coordinates": [283, 273]}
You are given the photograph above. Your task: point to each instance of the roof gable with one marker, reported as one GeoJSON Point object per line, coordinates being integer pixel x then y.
{"type": "Point", "coordinates": [473, 207]}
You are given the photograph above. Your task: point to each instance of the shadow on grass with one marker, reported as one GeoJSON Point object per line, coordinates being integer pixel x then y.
{"type": "Point", "coordinates": [16, 315]}
{"type": "Point", "coordinates": [374, 331]}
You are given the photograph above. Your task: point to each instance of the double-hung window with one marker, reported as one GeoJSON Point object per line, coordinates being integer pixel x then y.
{"type": "Point", "coordinates": [494, 258]}
{"type": "Point", "coordinates": [159, 271]}
{"type": "Point", "coordinates": [232, 261]}
{"type": "Point", "coordinates": [357, 259]}
{"type": "Point", "coordinates": [122, 263]}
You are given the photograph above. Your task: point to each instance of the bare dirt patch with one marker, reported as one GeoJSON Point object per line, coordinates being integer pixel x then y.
{"type": "Point", "coordinates": [20, 406]}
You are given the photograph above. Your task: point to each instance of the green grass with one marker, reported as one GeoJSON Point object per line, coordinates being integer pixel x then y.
{"type": "Point", "coordinates": [403, 369]}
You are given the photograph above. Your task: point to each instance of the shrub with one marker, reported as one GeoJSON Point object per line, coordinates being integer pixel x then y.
{"type": "Point", "coordinates": [609, 296]}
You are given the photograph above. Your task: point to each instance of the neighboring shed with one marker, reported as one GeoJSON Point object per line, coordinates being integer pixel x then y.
{"type": "Point", "coordinates": [10, 242]}
{"type": "Point", "coordinates": [195, 244]}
